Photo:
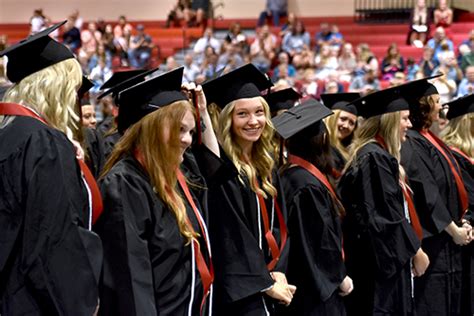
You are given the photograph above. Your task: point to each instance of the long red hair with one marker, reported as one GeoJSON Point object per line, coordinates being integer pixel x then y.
{"type": "Point", "coordinates": [156, 137]}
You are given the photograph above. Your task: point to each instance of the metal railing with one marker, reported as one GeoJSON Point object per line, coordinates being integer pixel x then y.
{"type": "Point", "coordinates": [385, 11]}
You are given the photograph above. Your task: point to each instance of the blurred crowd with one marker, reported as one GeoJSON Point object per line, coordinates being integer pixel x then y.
{"type": "Point", "coordinates": [279, 46]}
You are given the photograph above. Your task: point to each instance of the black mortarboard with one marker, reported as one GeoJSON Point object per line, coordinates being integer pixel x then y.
{"type": "Point", "coordinates": [381, 102]}
{"type": "Point", "coordinates": [300, 117]}
{"type": "Point", "coordinates": [120, 76]}
{"type": "Point", "coordinates": [341, 101]}
{"type": "Point", "coordinates": [34, 53]}
{"type": "Point", "coordinates": [282, 100]}
{"type": "Point", "coordinates": [460, 106]}
{"type": "Point", "coordinates": [126, 84]}
{"type": "Point", "coordinates": [244, 82]}
{"type": "Point", "coordinates": [148, 96]}
{"type": "Point", "coordinates": [419, 88]}
{"type": "Point", "coordinates": [85, 86]}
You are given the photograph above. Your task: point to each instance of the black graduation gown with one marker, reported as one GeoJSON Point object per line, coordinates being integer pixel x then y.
{"type": "Point", "coordinates": [148, 269]}
{"type": "Point", "coordinates": [315, 263]}
{"type": "Point", "coordinates": [109, 143]}
{"type": "Point", "coordinates": [95, 158]}
{"type": "Point", "coordinates": [241, 273]}
{"type": "Point", "coordinates": [438, 291]}
{"type": "Point", "coordinates": [467, 171]}
{"type": "Point", "coordinates": [106, 125]}
{"type": "Point", "coordinates": [378, 239]}
{"type": "Point", "coordinates": [49, 261]}
{"type": "Point", "coordinates": [338, 160]}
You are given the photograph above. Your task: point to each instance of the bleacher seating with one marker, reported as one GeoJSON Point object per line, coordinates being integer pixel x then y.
{"type": "Point", "coordinates": [171, 40]}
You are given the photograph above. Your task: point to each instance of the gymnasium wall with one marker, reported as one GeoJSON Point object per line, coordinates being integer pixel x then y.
{"type": "Point", "coordinates": [19, 11]}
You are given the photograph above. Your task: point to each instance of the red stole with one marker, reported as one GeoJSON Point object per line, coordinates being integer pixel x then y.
{"type": "Point", "coordinates": [14, 109]}
{"type": "Point", "coordinates": [271, 241]}
{"type": "Point", "coordinates": [415, 221]}
{"type": "Point", "coordinates": [317, 174]}
{"type": "Point", "coordinates": [455, 170]}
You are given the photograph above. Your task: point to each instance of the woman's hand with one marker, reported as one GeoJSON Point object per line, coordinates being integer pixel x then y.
{"type": "Point", "coordinates": [282, 292]}
{"type": "Point", "coordinates": [420, 263]}
{"type": "Point", "coordinates": [346, 286]}
{"type": "Point", "coordinates": [279, 277]}
{"type": "Point", "coordinates": [460, 235]}
{"type": "Point", "coordinates": [468, 226]}
{"type": "Point", "coordinates": [201, 98]}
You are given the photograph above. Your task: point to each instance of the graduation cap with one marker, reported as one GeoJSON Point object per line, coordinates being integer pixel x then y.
{"type": "Point", "coordinates": [120, 76]}
{"type": "Point", "coordinates": [341, 101]}
{"type": "Point", "coordinates": [126, 84]}
{"type": "Point", "coordinates": [419, 88]}
{"type": "Point", "coordinates": [381, 102]}
{"type": "Point", "coordinates": [460, 106]}
{"type": "Point", "coordinates": [34, 54]}
{"type": "Point", "coordinates": [282, 100]}
{"type": "Point", "coordinates": [85, 86]}
{"type": "Point", "coordinates": [244, 82]}
{"type": "Point", "coordinates": [148, 96]}
{"type": "Point", "coordinates": [300, 117]}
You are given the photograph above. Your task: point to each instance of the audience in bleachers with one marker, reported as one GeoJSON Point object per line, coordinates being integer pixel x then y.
{"type": "Point", "coordinates": [366, 83]}
{"type": "Point", "coordinates": [420, 21]}
{"type": "Point", "coordinates": [181, 11]}
{"type": "Point", "coordinates": [328, 35]}
{"type": "Point", "coordinates": [466, 86]}
{"type": "Point", "coordinates": [91, 38]}
{"type": "Point", "coordinates": [122, 32]}
{"type": "Point", "coordinates": [347, 63]}
{"type": "Point", "coordinates": [296, 40]}
{"type": "Point", "coordinates": [287, 27]}
{"type": "Point", "coordinates": [206, 40]}
{"type": "Point", "coordinates": [392, 63]}
{"type": "Point", "coordinates": [191, 70]}
{"type": "Point", "coordinates": [263, 49]}
{"type": "Point", "coordinates": [287, 54]}
{"type": "Point", "coordinates": [198, 12]}
{"type": "Point", "coordinates": [466, 52]}
{"type": "Point", "coordinates": [140, 47]}
{"type": "Point", "coordinates": [412, 69]}
{"type": "Point", "coordinates": [443, 15]}
{"type": "Point", "coordinates": [446, 88]}
{"type": "Point", "coordinates": [273, 9]}
{"type": "Point", "coordinates": [71, 36]}
{"type": "Point", "coordinates": [38, 21]}
{"type": "Point", "coordinates": [326, 61]}
{"type": "Point", "coordinates": [366, 60]}
{"type": "Point", "coordinates": [427, 62]}
{"type": "Point", "coordinates": [439, 39]}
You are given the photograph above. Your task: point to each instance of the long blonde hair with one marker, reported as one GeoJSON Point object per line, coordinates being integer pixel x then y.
{"type": "Point", "coordinates": [52, 92]}
{"type": "Point", "coordinates": [458, 134]}
{"type": "Point", "coordinates": [262, 161]}
{"type": "Point", "coordinates": [161, 155]}
{"type": "Point", "coordinates": [386, 126]}
{"type": "Point", "coordinates": [331, 124]}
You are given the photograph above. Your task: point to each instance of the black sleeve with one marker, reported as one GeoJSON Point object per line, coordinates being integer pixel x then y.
{"type": "Point", "coordinates": [430, 207]}
{"type": "Point", "coordinates": [316, 241]}
{"type": "Point", "coordinates": [282, 263]}
{"type": "Point", "coordinates": [240, 263]}
{"type": "Point", "coordinates": [467, 172]}
{"type": "Point", "coordinates": [376, 202]}
{"type": "Point", "coordinates": [216, 170]}
{"type": "Point", "coordinates": [61, 256]}
{"type": "Point", "coordinates": [127, 284]}
{"type": "Point", "coordinates": [95, 150]}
